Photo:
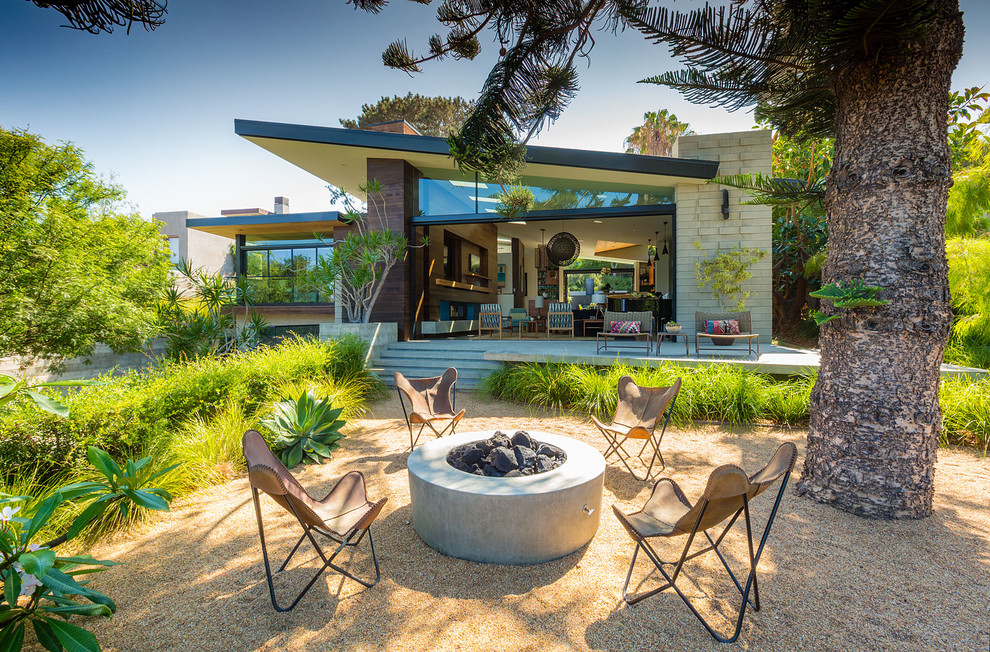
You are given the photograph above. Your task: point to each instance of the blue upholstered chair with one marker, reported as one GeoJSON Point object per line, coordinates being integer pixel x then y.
{"type": "Point", "coordinates": [490, 319]}
{"type": "Point", "coordinates": [560, 317]}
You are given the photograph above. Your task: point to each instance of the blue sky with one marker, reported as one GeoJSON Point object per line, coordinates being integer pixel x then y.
{"type": "Point", "coordinates": [156, 109]}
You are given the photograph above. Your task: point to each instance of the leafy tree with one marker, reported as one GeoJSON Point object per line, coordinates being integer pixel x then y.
{"type": "Point", "coordinates": [724, 273]}
{"type": "Point", "coordinates": [432, 116]}
{"type": "Point", "coordinates": [657, 135]}
{"type": "Point", "coordinates": [357, 267]}
{"type": "Point", "coordinates": [95, 16]}
{"type": "Point", "coordinates": [872, 73]}
{"type": "Point", "coordinates": [968, 117]}
{"type": "Point", "coordinates": [969, 198]}
{"type": "Point", "coordinates": [74, 270]}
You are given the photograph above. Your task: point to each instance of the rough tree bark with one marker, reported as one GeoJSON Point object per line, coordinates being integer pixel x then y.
{"type": "Point", "coordinates": [875, 413]}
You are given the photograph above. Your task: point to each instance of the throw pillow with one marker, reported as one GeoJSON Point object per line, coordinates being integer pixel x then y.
{"type": "Point", "coordinates": [722, 327]}
{"type": "Point", "coordinates": [626, 327]}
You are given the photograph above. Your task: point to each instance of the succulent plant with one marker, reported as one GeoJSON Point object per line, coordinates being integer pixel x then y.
{"type": "Point", "coordinates": [306, 429]}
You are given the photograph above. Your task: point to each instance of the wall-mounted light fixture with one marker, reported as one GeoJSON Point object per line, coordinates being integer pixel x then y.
{"type": "Point", "coordinates": [725, 204]}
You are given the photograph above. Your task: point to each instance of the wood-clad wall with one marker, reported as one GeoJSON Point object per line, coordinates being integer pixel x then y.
{"type": "Point", "coordinates": [410, 292]}
{"type": "Point", "coordinates": [399, 182]}
{"type": "Point", "coordinates": [477, 238]}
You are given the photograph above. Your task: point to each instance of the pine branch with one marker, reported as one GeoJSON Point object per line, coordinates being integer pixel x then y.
{"type": "Point", "coordinates": [774, 191]}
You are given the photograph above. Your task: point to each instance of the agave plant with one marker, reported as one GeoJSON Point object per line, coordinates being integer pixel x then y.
{"type": "Point", "coordinates": [306, 428]}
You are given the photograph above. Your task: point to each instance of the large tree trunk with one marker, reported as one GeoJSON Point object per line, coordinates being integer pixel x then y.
{"type": "Point", "coordinates": [874, 411]}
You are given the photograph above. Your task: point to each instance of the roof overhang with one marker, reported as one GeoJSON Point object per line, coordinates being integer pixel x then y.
{"type": "Point", "coordinates": [339, 157]}
{"type": "Point", "coordinates": [270, 224]}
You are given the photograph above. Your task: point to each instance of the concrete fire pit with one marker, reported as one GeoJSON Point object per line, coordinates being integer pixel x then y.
{"type": "Point", "coordinates": [515, 520]}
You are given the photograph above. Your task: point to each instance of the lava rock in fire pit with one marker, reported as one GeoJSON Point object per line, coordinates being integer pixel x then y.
{"type": "Point", "coordinates": [524, 455]}
{"type": "Point", "coordinates": [541, 464]}
{"type": "Point", "coordinates": [500, 440]}
{"type": "Point", "coordinates": [503, 459]}
{"type": "Point", "coordinates": [502, 456]}
{"type": "Point", "coordinates": [522, 438]}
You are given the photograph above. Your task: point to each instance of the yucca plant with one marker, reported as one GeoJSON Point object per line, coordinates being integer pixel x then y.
{"type": "Point", "coordinates": [306, 428]}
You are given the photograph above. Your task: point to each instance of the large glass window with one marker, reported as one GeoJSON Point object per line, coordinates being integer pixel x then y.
{"type": "Point", "coordinates": [465, 196]}
{"type": "Point", "coordinates": [277, 269]}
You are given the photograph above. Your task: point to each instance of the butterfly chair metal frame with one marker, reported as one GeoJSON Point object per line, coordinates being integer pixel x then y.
{"type": "Point", "coordinates": [430, 399]}
{"type": "Point", "coordinates": [636, 415]}
{"type": "Point", "coordinates": [727, 496]}
{"type": "Point", "coordinates": [266, 473]}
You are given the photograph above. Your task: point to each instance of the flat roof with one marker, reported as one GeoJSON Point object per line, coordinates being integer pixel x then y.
{"type": "Point", "coordinates": [267, 224]}
{"type": "Point", "coordinates": [339, 156]}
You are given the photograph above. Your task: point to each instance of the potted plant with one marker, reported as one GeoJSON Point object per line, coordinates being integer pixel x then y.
{"type": "Point", "coordinates": [672, 327]}
{"type": "Point", "coordinates": [724, 273]}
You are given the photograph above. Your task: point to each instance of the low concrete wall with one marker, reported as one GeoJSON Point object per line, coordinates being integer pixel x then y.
{"type": "Point", "coordinates": [102, 361]}
{"type": "Point", "coordinates": [378, 334]}
{"type": "Point", "coordinates": [449, 327]}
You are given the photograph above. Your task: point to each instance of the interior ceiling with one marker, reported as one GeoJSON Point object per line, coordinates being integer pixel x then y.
{"type": "Point", "coordinates": [346, 166]}
{"type": "Point", "coordinates": [606, 235]}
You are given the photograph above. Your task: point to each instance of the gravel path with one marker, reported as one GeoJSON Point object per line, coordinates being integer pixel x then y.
{"type": "Point", "coordinates": [829, 581]}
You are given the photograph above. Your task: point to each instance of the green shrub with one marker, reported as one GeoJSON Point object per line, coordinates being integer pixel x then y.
{"type": "Point", "coordinates": [208, 449]}
{"type": "Point", "coordinates": [718, 392]}
{"type": "Point", "coordinates": [715, 392]}
{"type": "Point", "coordinates": [45, 589]}
{"type": "Point", "coordinates": [127, 415]}
{"type": "Point", "coordinates": [965, 407]}
{"type": "Point", "coordinates": [969, 282]}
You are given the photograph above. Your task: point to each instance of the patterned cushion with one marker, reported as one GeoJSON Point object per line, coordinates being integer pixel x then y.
{"type": "Point", "coordinates": [559, 315]}
{"type": "Point", "coordinates": [491, 320]}
{"type": "Point", "coordinates": [722, 327]}
{"type": "Point", "coordinates": [625, 327]}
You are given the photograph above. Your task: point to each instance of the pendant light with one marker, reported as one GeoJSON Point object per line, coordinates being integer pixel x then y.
{"type": "Point", "coordinates": [665, 251]}
{"type": "Point", "coordinates": [656, 250]}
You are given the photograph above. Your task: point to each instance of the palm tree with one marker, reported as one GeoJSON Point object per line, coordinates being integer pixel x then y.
{"type": "Point", "coordinates": [875, 75]}
{"type": "Point", "coordinates": [657, 135]}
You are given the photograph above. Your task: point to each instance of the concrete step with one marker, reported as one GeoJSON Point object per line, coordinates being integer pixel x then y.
{"type": "Point", "coordinates": [462, 363]}
{"type": "Point", "coordinates": [431, 354]}
{"type": "Point", "coordinates": [423, 358]}
{"type": "Point", "coordinates": [467, 379]}
{"type": "Point", "coordinates": [450, 344]}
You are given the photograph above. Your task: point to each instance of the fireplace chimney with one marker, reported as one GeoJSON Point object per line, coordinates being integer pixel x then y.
{"type": "Point", "coordinates": [281, 205]}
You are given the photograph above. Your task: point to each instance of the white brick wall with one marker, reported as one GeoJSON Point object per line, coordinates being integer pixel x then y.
{"type": "Point", "coordinates": [699, 219]}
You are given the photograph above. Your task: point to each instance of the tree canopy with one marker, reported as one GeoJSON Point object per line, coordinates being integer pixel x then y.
{"type": "Point", "coordinates": [780, 56]}
{"type": "Point", "coordinates": [95, 16]}
{"type": "Point", "coordinates": [432, 116]}
{"type": "Point", "coordinates": [74, 269]}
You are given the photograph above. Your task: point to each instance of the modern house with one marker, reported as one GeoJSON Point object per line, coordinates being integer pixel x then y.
{"type": "Point", "coordinates": [616, 207]}
{"type": "Point", "coordinates": [201, 249]}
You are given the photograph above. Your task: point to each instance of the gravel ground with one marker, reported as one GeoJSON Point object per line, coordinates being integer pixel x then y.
{"type": "Point", "coordinates": [829, 581]}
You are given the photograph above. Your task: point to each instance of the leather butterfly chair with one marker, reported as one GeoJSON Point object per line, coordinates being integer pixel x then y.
{"type": "Point", "coordinates": [637, 414]}
{"type": "Point", "coordinates": [728, 494]}
{"type": "Point", "coordinates": [430, 400]}
{"type": "Point", "coordinates": [344, 516]}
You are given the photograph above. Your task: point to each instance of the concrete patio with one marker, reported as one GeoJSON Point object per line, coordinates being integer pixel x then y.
{"type": "Point", "coordinates": [773, 358]}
